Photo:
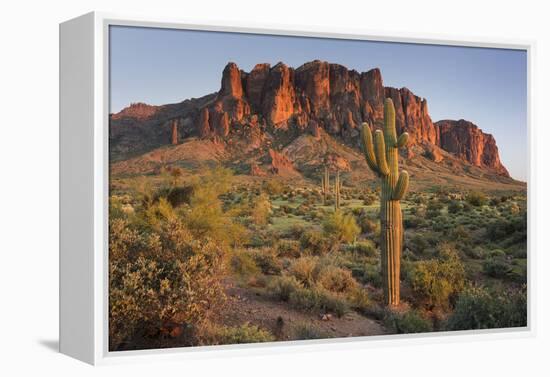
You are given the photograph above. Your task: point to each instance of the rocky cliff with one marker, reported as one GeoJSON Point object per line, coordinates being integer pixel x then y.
{"type": "Point", "coordinates": [313, 98]}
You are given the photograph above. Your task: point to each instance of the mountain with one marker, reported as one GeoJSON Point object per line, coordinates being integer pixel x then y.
{"type": "Point", "coordinates": [287, 121]}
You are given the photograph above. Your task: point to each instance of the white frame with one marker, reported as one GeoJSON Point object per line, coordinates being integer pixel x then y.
{"type": "Point", "coordinates": [84, 179]}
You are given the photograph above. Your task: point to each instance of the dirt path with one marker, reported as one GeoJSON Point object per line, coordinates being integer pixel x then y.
{"type": "Point", "coordinates": [246, 306]}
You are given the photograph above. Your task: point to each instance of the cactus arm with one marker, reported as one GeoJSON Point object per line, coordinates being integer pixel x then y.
{"type": "Point", "coordinates": [402, 186]}
{"type": "Point", "coordinates": [368, 147]}
{"type": "Point", "coordinates": [389, 123]}
{"type": "Point", "coordinates": [402, 140]}
{"type": "Point", "coordinates": [380, 153]}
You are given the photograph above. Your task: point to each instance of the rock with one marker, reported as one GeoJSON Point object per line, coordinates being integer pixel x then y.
{"type": "Point", "coordinates": [315, 97]}
{"type": "Point", "coordinates": [255, 170]}
{"type": "Point", "coordinates": [203, 128]}
{"type": "Point", "coordinates": [433, 153]}
{"type": "Point", "coordinates": [466, 141]}
{"type": "Point", "coordinates": [279, 101]}
{"type": "Point", "coordinates": [336, 162]}
{"type": "Point", "coordinates": [281, 164]}
{"type": "Point", "coordinates": [313, 80]}
{"type": "Point", "coordinates": [255, 85]}
{"type": "Point", "coordinates": [231, 81]}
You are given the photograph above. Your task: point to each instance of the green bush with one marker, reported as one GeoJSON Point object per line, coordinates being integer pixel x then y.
{"type": "Point", "coordinates": [497, 267]}
{"type": "Point", "coordinates": [476, 198]}
{"type": "Point", "coordinates": [288, 248]}
{"type": "Point", "coordinates": [305, 270]}
{"type": "Point", "coordinates": [435, 281]}
{"type": "Point", "coordinates": [341, 227]}
{"type": "Point", "coordinates": [268, 261]}
{"type": "Point", "coordinates": [336, 279]}
{"type": "Point", "coordinates": [306, 330]}
{"type": "Point", "coordinates": [365, 248]}
{"type": "Point", "coordinates": [315, 242]}
{"type": "Point", "coordinates": [243, 264]}
{"type": "Point", "coordinates": [245, 333]}
{"type": "Point", "coordinates": [480, 308]}
{"type": "Point", "coordinates": [282, 287]}
{"type": "Point", "coordinates": [406, 323]}
{"type": "Point", "coordinates": [175, 279]}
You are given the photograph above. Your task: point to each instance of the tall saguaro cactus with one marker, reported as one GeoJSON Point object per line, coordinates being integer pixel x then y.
{"type": "Point", "coordinates": [382, 158]}
{"type": "Point", "coordinates": [337, 190]}
{"type": "Point", "coordinates": [325, 185]}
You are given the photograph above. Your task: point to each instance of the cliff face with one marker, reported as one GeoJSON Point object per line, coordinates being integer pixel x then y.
{"type": "Point", "coordinates": [466, 141]}
{"type": "Point", "coordinates": [321, 96]}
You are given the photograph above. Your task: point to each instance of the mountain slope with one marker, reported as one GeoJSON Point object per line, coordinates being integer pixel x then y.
{"type": "Point", "coordinates": [275, 116]}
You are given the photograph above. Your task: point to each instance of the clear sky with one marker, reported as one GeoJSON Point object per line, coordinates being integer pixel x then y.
{"type": "Point", "coordinates": [485, 86]}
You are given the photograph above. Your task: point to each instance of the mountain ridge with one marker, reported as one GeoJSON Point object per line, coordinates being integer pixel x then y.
{"type": "Point", "coordinates": [270, 106]}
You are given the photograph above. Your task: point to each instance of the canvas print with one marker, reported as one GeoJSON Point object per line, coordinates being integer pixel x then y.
{"type": "Point", "coordinates": [271, 188]}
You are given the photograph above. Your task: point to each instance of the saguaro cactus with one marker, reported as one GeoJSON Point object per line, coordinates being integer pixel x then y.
{"type": "Point", "coordinates": [325, 185]}
{"type": "Point", "coordinates": [174, 132]}
{"type": "Point", "coordinates": [337, 190]}
{"type": "Point", "coordinates": [382, 158]}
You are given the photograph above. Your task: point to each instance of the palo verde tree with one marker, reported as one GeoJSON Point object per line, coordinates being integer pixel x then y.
{"type": "Point", "coordinates": [382, 158]}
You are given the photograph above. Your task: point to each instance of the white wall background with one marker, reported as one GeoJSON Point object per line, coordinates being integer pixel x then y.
{"type": "Point", "coordinates": [29, 184]}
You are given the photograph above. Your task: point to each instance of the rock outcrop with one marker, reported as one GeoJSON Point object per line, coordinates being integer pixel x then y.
{"type": "Point", "coordinates": [319, 97]}
{"type": "Point", "coordinates": [466, 141]}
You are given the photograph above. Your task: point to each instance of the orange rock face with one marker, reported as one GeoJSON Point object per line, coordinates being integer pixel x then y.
{"type": "Point", "coordinates": [281, 164]}
{"type": "Point", "coordinates": [279, 101]}
{"type": "Point", "coordinates": [466, 141]}
{"type": "Point", "coordinates": [314, 98]}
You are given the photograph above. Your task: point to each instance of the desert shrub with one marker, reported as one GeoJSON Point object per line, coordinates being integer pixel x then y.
{"type": "Point", "coordinates": [454, 206]}
{"type": "Point", "coordinates": [296, 231]}
{"type": "Point", "coordinates": [372, 276]}
{"type": "Point", "coordinates": [365, 248]}
{"type": "Point", "coordinates": [359, 300]}
{"type": "Point", "coordinates": [436, 280]}
{"type": "Point", "coordinates": [341, 227]}
{"type": "Point", "coordinates": [205, 218]}
{"type": "Point", "coordinates": [407, 323]}
{"type": "Point", "coordinates": [317, 299]}
{"type": "Point", "coordinates": [434, 208]}
{"type": "Point", "coordinates": [418, 243]}
{"type": "Point", "coordinates": [306, 299]}
{"type": "Point", "coordinates": [369, 200]}
{"type": "Point", "coordinates": [273, 187]}
{"type": "Point", "coordinates": [474, 252]}
{"type": "Point", "coordinates": [282, 287]}
{"type": "Point", "coordinates": [260, 210]}
{"type": "Point", "coordinates": [315, 242]}
{"type": "Point", "coordinates": [497, 267]}
{"type": "Point", "coordinates": [243, 264]}
{"type": "Point", "coordinates": [268, 261]}
{"type": "Point", "coordinates": [288, 248]}
{"type": "Point", "coordinates": [304, 330]}
{"type": "Point", "coordinates": [176, 280]}
{"type": "Point", "coordinates": [304, 270]}
{"type": "Point", "coordinates": [476, 198]}
{"type": "Point", "coordinates": [336, 279]}
{"type": "Point", "coordinates": [480, 308]}
{"type": "Point", "coordinates": [245, 333]}
{"type": "Point", "coordinates": [367, 224]}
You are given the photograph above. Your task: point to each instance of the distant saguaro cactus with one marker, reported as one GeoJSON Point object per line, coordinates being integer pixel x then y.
{"type": "Point", "coordinates": [382, 158]}
{"type": "Point", "coordinates": [325, 185]}
{"type": "Point", "coordinates": [174, 131]}
{"type": "Point", "coordinates": [337, 190]}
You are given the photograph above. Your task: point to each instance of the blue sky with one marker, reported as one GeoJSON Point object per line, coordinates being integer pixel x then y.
{"type": "Point", "coordinates": [485, 86]}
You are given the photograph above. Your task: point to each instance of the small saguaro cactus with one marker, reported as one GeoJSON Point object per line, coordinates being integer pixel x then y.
{"type": "Point", "coordinates": [382, 158]}
{"type": "Point", "coordinates": [174, 125]}
{"type": "Point", "coordinates": [337, 190]}
{"type": "Point", "coordinates": [325, 185]}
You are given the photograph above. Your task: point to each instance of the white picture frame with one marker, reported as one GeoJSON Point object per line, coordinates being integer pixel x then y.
{"type": "Point", "coordinates": [84, 112]}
